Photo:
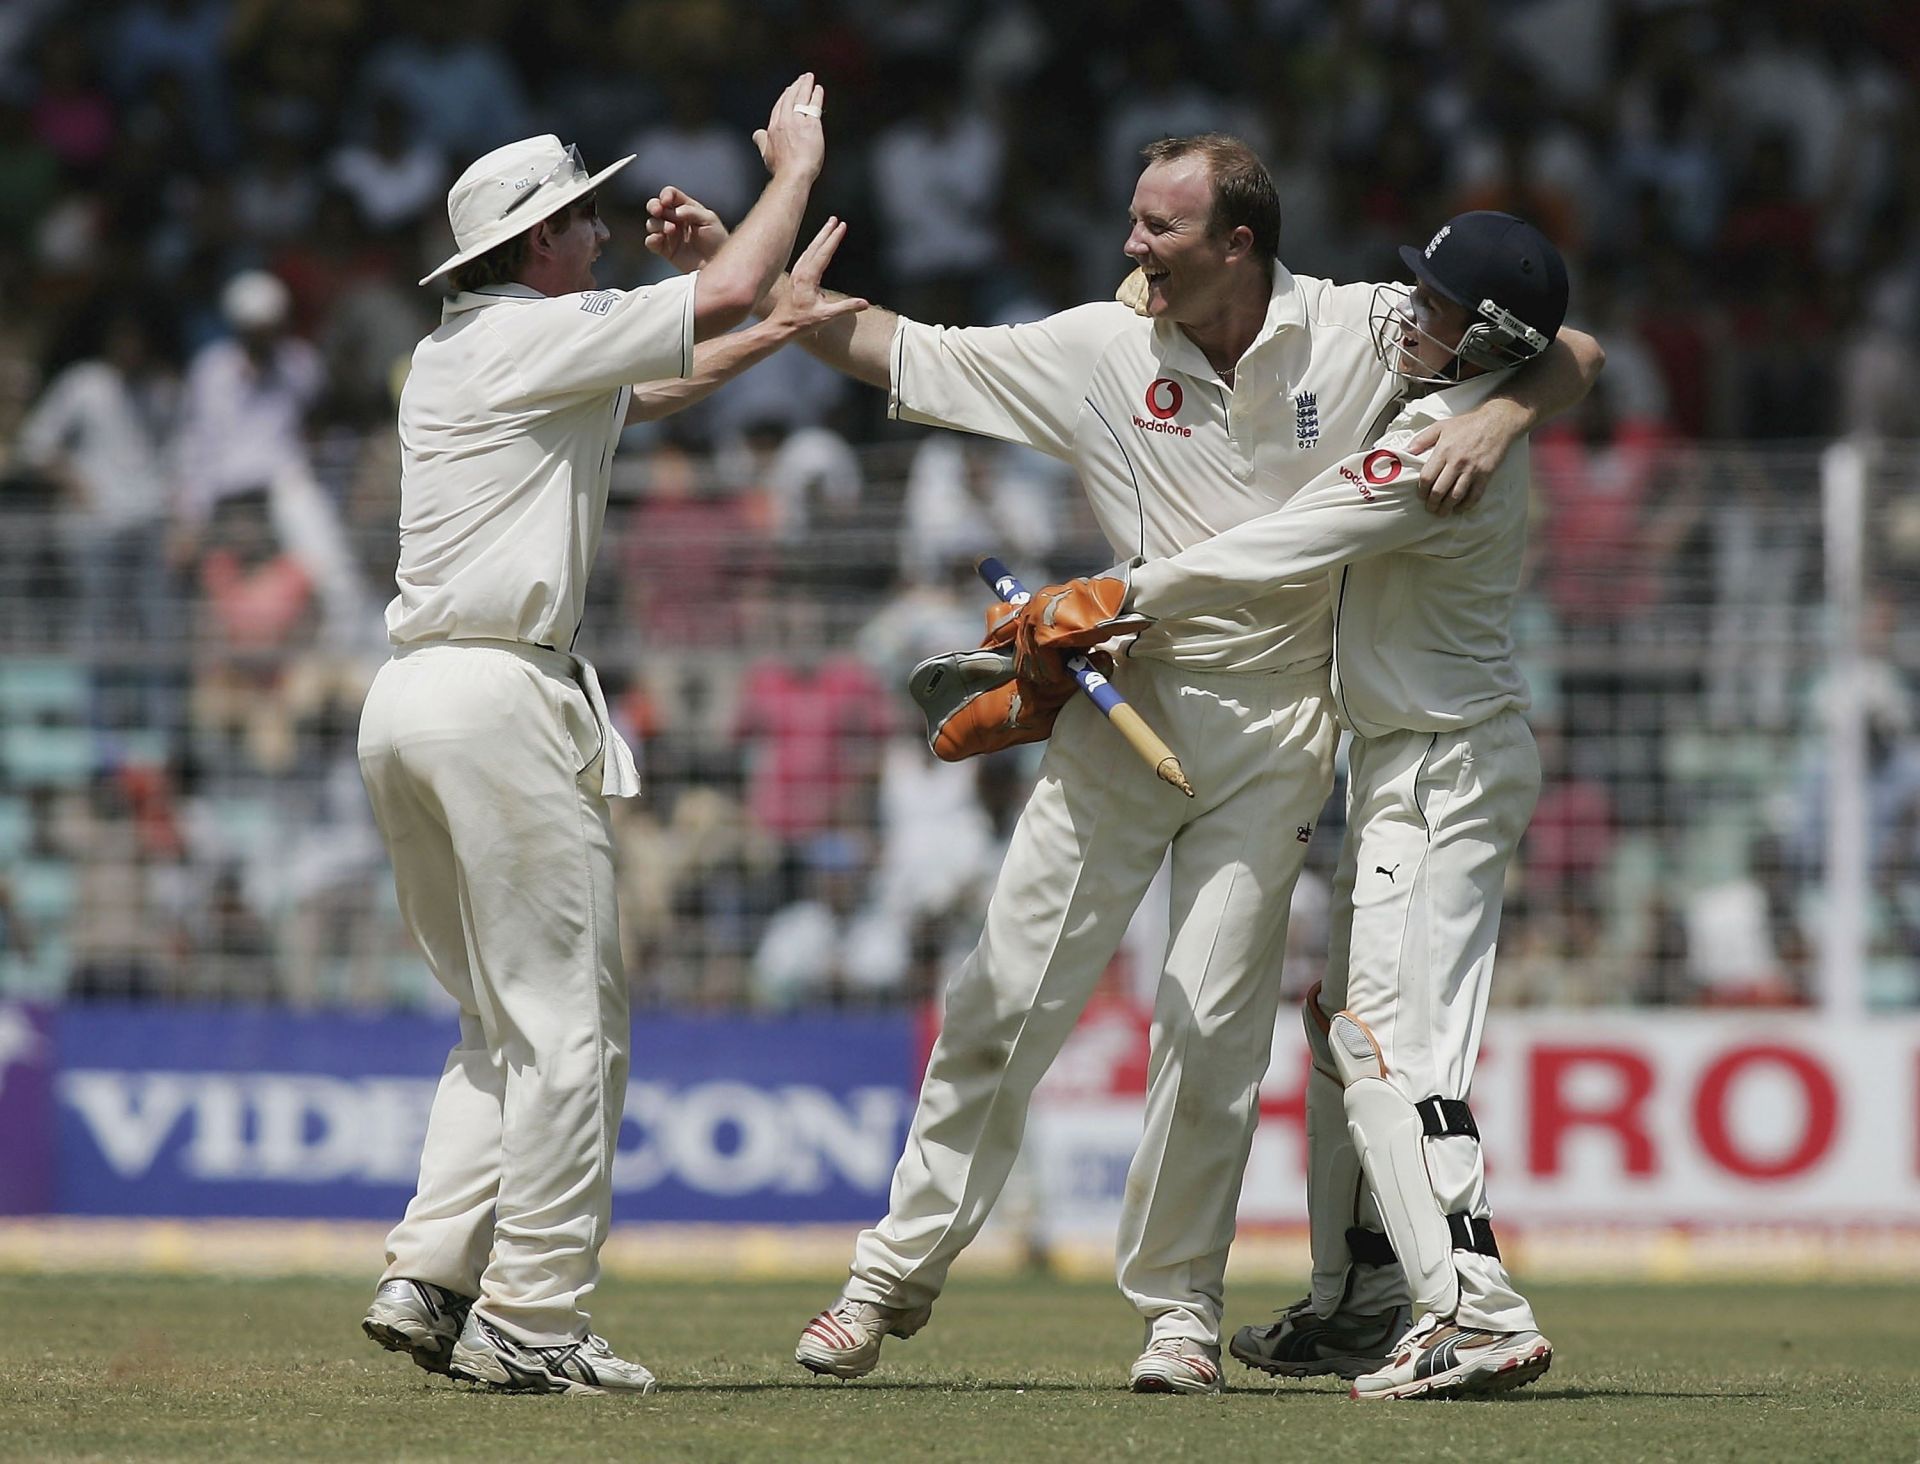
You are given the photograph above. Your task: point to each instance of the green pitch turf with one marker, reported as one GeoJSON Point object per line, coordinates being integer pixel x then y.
{"type": "Point", "coordinates": [214, 1370]}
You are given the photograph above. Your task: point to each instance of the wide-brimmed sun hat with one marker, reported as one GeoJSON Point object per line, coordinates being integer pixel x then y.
{"type": "Point", "coordinates": [510, 190]}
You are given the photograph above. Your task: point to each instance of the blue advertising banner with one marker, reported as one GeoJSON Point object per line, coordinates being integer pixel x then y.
{"type": "Point", "coordinates": [239, 1112]}
{"type": "Point", "coordinates": [26, 1110]}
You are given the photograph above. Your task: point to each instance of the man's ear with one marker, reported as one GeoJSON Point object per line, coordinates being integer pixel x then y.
{"type": "Point", "coordinates": [1240, 242]}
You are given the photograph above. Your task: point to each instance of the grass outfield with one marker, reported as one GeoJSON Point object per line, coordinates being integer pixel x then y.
{"type": "Point", "coordinates": [249, 1370]}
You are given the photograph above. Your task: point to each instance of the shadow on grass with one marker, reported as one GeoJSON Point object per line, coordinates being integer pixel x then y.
{"type": "Point", "coordinates": [1574, 1395]}
{"type": "Point", "coordinates": [855, 1388]}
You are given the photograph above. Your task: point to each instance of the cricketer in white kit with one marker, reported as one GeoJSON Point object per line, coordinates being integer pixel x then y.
{"type": "Point", "coordinates": [1442, 781]}
{"type": "Point", "coordinates": [486, 746]}
{"type": "Point", "coordinates": [1180, 427]}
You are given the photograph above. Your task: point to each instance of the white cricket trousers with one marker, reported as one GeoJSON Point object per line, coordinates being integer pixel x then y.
{"type": "Point", "coordinates": [482, 761]}
{"type": "Point", "coordinates": [1433, 820]}
{"type": "Point", "coordinates": [1259, 752]}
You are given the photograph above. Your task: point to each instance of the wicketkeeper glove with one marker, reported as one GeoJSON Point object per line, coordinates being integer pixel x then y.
{"type": "Point", "coordinates": [974, 703]}
{"type": "Point", "coordinates": [1133, 292]}
{"type": "Point", "coordinates": [1063, 618]}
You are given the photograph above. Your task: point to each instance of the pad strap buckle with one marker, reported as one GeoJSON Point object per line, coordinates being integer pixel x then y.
{"type": "Point", "coordinates": [1471, 1234]}
{"type": "Point", "coordinates": [1446, 1118]}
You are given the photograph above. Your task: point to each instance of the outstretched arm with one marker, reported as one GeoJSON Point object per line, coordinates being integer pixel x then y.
{"type": "Point", "coordinates": [1463, 452]}
{"type": "Point", "coordinates": [742, 268]}
{"type": "Point", "coordinates": [1346, 513]}
{"type": "Point", "coordinates": [686, 233]}
{"type": "Point", "coordinates": [803, 309]}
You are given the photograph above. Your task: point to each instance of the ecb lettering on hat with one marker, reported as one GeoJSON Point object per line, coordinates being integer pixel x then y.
{"type": "Point", "coordinates": [510, 190]}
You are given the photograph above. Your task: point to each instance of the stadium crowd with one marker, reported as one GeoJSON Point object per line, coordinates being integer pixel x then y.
{"type": "Point", "coordinates": [212, 213]}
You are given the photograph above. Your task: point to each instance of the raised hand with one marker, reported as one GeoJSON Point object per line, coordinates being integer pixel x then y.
{"type": "Point", "coordinates": [804, 306]}
{"type": "Point", "coordinates": [682, 230]}
{"type": "Point", "coordinates": [793, 139]}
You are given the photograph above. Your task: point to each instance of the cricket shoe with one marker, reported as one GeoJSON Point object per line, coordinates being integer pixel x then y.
{"type": "Point", "coordinates": [1176, 1365]}
{"type": "Point", "coordinates": [1440, 1358]}
{"type": "Point", "coordinates": [1304, 1344]}
{"type": "Point", "coordinates": [844, 1340]}
{"type": "Point", "coordinates": [485, 1354]}
{"type": "Point", "coordinates": [418, 1318]}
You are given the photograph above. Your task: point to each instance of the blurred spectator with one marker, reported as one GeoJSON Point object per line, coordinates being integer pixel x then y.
{"type": "Point", "coordinates": [185, 42]}
{"type": "Point", "coordinates": [396, 176]}
{"type": "Point", "coordinates": [831, 947]}
{"type": "Point", "coordinates": [448, 63]}
{"type": "Point", "coordinates": [1555, 953]}
{"type": "Point", "coordinates": [124, 940]}
{"type": "Point", "coordinates": [276, 190]}
{"type": "Point", "coordinates": [789, 389]}
{"type": "Point", "coordinates": [247, 399]}
{"type": "Point", "coordinates": [1615, 513]}
{"type": "Point", "coordinates": [364, 322]}
{"type": "Point", "coordinates": [702, 887]}
{"type": "Point", "coordinates": [29, 174]}
{"type": "Point", "coordinates": [1762, 560]}
{"type": "Point", "coordinates": [807, 483]}
{"type": "Point", "coordinates": [98, 430]}
{"type": "Point", "coordinates": [1684, 334]}
{"type": "Point", "coordinates": [1745, 942]}
{"type": "Point", "coordinates": [968, 496]}
{"type": "Point", "coordinates": [1161, 95]}
{"type": "Point", "coordinates": [255, 604]}
{"type": "Point", "coordinates": [233, 958]}
{"type": "Point", "coordinates": [696, 151]}
{"type": "Point", "coordinates": [924, 617]}
{"type": "Point", "coordinates": [936, 187]}
{"type": "Point", "coordinates": [329, 856]}
{"type": "Point", "coordinates": [72, 114]}
{"type": "Point", "coordinates": [690, 556]}
{"type": "Point", "coordinates": [1880, 373]}
{"type": "Point", "coordinates": [1527, 162]}
{"type": "Point", "coordinates": [1569, 843]}
{"type": "Point", "coordinates": [1666, 145]}
{"type": "Point", "coordinates": [813, 722]}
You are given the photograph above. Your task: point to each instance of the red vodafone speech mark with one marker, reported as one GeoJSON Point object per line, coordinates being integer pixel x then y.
{"type": "Point", "coordinates": [1164, 398]}
{"type": "Point", "coordinates": [1381, 466]}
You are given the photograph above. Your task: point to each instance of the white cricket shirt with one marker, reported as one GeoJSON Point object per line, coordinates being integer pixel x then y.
{"type": "Point", "coordinates": [508, 422]}
{"type": "Point", "coordinates": [1167, 453]}
{"type": "Point", "coordinates": [1422, 605]}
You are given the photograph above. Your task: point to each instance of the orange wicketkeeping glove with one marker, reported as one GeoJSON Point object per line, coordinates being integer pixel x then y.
{"type": "Point", "coordinates": [1008, 715]}
{"type": "Point", "coordinates": [1064, 618]}
{"type": "Point", "coordinates": [974, 703]}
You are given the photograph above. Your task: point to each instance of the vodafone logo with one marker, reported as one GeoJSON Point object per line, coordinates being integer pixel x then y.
{"type": "Point", "coordinates": [1381, 466]}
{"type": "Point", "coordinates": [1163, 401]}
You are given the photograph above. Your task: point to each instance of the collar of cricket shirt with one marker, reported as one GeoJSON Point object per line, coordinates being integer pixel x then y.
{"type": "Point", "coordinates": [506, 293]}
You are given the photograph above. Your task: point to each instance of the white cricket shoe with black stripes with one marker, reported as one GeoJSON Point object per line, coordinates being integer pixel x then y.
{"type": "Point", "coordinates": [485, 1354]}
{"type": "Point", "coordinates": [1176, 1365]}
{"type": "Point", "coordinates": [1439, 1358]}
{"type": "Point", "coordinates": [844, 1340]}
{"type": "Point", "coordinates": [417, 1318]}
